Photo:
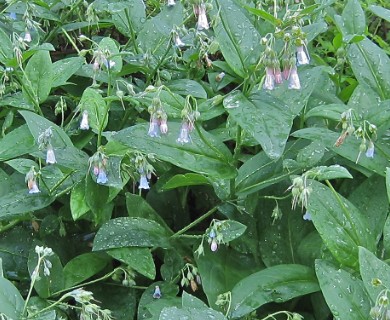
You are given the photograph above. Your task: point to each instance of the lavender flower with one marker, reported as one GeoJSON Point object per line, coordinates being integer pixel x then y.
{"type": "Point", "coordinates": [370, 150]}
{"type": "Point", "coordinates": [157, 293]}
{"type": "Point", "coordinates": [278, 76]}
{"type": "Point", "coordinates": [307, 216]}
{"type": "Point", "coordinates": [33, 187]}
{"type": "Point", "coordinates": [164, 126]}
{"type": "Point", "coordinates": [269, 82]}
{"type": "Point", "coordinates": [27, 36]}
{"type": "Point", "coordinates": [293, 81]}
{"type": "Point", "coordinates": [177, 41]}
{"type": "Point", "coordinates": [154, 127]}
{"type": "Point", "coordinates": [214, 245]}
{"type": "Point", "coordinates": [302, 57]}
{"type": "Point", "coordinates": [143, 182]}
{"type": "Point", "coordinates": [12, 15]}
{"type": "Point", "coordinates": [50, 156]}
{"type": "Point", "coordinates": [102, 176]}
{"type": "Point", "coordinates": [184, 135]}
{"type": "Point", "coordinates": [84, 124]}
{"type": "Point", "coordinates": [202, 18]}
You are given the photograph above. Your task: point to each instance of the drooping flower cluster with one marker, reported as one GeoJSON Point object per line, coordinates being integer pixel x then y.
{"type": "Point", "coordinates": [144, 169]}
{"type": "Point", "coordinates": [44, 142]}
{"type": "Point", "coordinates": [189, 115]}
{"type": "Point", "coordinates": [300, 191]}
{"type": "Point", "coordinates": [190, 277]}
{"type": "Point", "coordinates": [200, 12]}
{"type": "Point", "coordinates": [381, 309]}
{"type": "Point", "coordinates": [366, 132]}
{"type": "Point", "coordinates": [158, 118]}
{"type": "Point", "coordinates": [214, 236]}
{"type": "Point", "coordinates": [42, 253]}
{"type": "Point", "coordinates": [31, 180]}
{"type": "Point", "coordinates": [98, 166]}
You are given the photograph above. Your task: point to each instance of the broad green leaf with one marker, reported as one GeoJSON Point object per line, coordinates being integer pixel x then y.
{"type": "Point", "coordinates": [150, 308]}
{"type": "Point", "coordinates": [11, 301]}
{"type": "Point", "coordinates": [371, 66]}
{"type": "Point", "coordinates": [96, 197]}
{"type": "Point", "coordinates": [38, 124]}
{"type": "Point", "coordinates": [238, 39]}
{"type": "Point", "coordinates": [331, 111]}
{"type": "Point", "coordinates": [188, 313]}
{"type": "Point", "coordinates": [265, 118]}
{"type": "Point", "coordinates": [139, 259]}
{"type": "Point", "coordinates": [130, 232]}
{"type": "Point", "coordinates": [6, 47]}
{"type": "Point", "coordinates": [183, 180]}
{"type": "Point", "coordinates": [78, 204]}
{"type": "Point", "coordinates": [388, 183]}
{"type": "Point", "coordinates": [349, 149]}
{"type": "Point", "coordinates": [203, 154]}
{"type": "Point", "coordinates": [343, 292]}
{"type": "Point", "coordinates": [16, 143]}
{"type": "Point", "coordinates": [340, 224]}
{"type": "Point", "coordinates": [138, 207]}
{"type": "Point", "coordinates": [21, 202]}
{"type": "Point", "coordinates": [311, 154]}
{"type": "Point", "coordinates": [312, 30]}
{"type": "Point", "coordinates": [380, 12]}
{"type": "Point", "coordinates": [221, 270]}
{"type": "Point", "coordinates": [155, 36]}
{"type": "Point", "coordinates": [374, 204]}
{"type": "Point", "coordinates": [93, 102]}
{"type": "Point", "coordinates": [46, 285]}
{"type": "Point", "coordinates": [190, 301]}
{"type": "Point", "coordinates": [38, 77]}
{"type": "Point", "coordinates": [275, 284]}
{"type": "Point", "coordinates": [186, 87]}
{"type": "Point", "coordinates": [63, 69]}
{"type": "Point", "coordinates": [131, 19]}
{"type": "Point", "coordinates": [353, 17]}
{"type": "Point", "coordinates": [109, 46]}
{"type": "Point", "coordinates": [310, 248]}
{"type": "Point", "coordinates": [22, 165]}
{"type": "Point", "coordinates": [375, 273]}
{"type": "Point", "coordinates": [16, 100]}
{"type": "Point", "coordinates": [82, 267]}
{"type": "Point", "coordinates": [230, 229]}
{"type": "Point", "coordinates": [331, 172]}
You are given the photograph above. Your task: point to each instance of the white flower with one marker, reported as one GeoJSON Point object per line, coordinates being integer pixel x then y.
{"type": "Point", "coordinates": [184, 136]}
{"type": "Point", "coordinates": [171, 3]}
{"type": "Point", "coordinates": [302, 57]}
{"type": "Point", "coordinates": [33, 187]}
{"type": "Point", "coordinates": [50, 156]}
{"type": "Point", "coordinates": [202, 18]}
{"type": "Point", "coordinates": [163, 126]}
{"type": "Point", "coordinates": [143, 182]}
{"type": "Point", "coordinates": [293, 81]}
{"type": "Point", "coordinates": [27, 36]}
{"type": "Point", "coordinates": [177, 41]}
{"type": "Point", "coordinates": [370, 150]}
{"type": "Point", "coordinates": [153, 127]}
{"type": "Point", "coordinates": [84, 123]}
{"type": "Point", "coordinates": [269, 82]}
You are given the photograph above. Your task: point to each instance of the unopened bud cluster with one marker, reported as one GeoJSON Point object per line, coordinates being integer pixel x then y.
{"type": "Point", "coordinates": [190, 277]}
{"type": "Point", "coordinates": [381, 310]}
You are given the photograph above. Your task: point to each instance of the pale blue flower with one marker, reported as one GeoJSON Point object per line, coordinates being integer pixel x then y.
{"type": "Point", "coordinates": [157, 293]}
{"type": "Point", "coordinates": [102, 177]}
{"type": "Point", "coordinates": [370, 150]}
{"type": "Point", "coordinates": [143, 182]}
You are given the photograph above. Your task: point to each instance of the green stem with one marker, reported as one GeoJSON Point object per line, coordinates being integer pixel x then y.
{"type": "Point", "coordinates": [132, 33]}
{"type": "Point", "coordinates": [195, 222]}
{"type": "Point", "coordinates": [153, 73]}
{"type": "Point", "coordinates": [35, 276]}
{"type": "Point", "coordinates": [10, 225]}
{"type": "Point", "coordinates": [70, 40]}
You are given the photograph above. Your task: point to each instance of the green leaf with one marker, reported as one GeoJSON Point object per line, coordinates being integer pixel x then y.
{"type": "Point", "coordinates": [375, 273]}
{"type": "Point", "coordinates": [78, 204]}
{"type": "Point", "coordinates": [275, 284]}
{"type": "Point", "coordinates": [353, 17]}
{"type": "Point", "coordinates": [16, 100]}
{"type": "Point", "coordinates": [331, 172]}
{"type": "Point", "coordinates": [388, 183]}
{"type": "Point", "coordinates": [330, 111]}
{"type": "Point", "coordinates": [204, 154]}
{"type": "Point", "coordinates": [11, 301]}
{"type": "Point", "coordinates": [371, 66]}
{"type": "Point", "coordinates": [343, 293]}
{"type": "Point", "coordinates": [230, 229]}
{"type": "Point", "coordinates": [16, 143]}
{"type": "Point", "coordinates": [96, 197]}
{"type": "Point", "coordinates": [190, 301]}
{"type": "Point", "coordinates": [265, 118]}
{"type": "Point", "coordinates": [183, 180]}
{"type": "Point", "coordinates": [93, 102]}
{"type": "Point", "coordinates": [340, 224]}
{"type": "Point", "coordinates": [155, 36]}
{"type": "Point", "coordinates": [22, 165]}
{"type": "Point", "coordinates": [188, 313]}
{"type": "Point", "coordinates": [238, 39]}
{"type": "Point", "coordinates": [150, 308]}
{"type": "Point", "coordinates": [6, 47]}
{"type": "Point", "coordinates": [109, 45]}
{"type": "Point", "coordinates": [265, 15]}
{"type": "Point", "coordinates": [130, 232]}
{"type": "Point", "coordinates": [38, 77]}
{"type": "Point", "coordinates": [82, 267]}
{"type": "Point", "coordinates": [374, 204]}
{"type": "Point", "coordinates": [63, 69]}
{"type": "Point", "coordinates": [38, 125]}
{"type": "Point", "coordinates": [20, 202]}
{"type": "Point", "coordinates": [139, 259]}
{"type": "Point", "coordinates": [46, 285]}
{"type": "Point", "coordinates": [186, 87]}
{"type": "Point", "coordinates": [380, 12]}
{"type": "Point", "coordinates": [131, 19]}
{"type": "Point", "coordinates": [222, 270]}
{"type": "Point", "coordinates": [138, 207]}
